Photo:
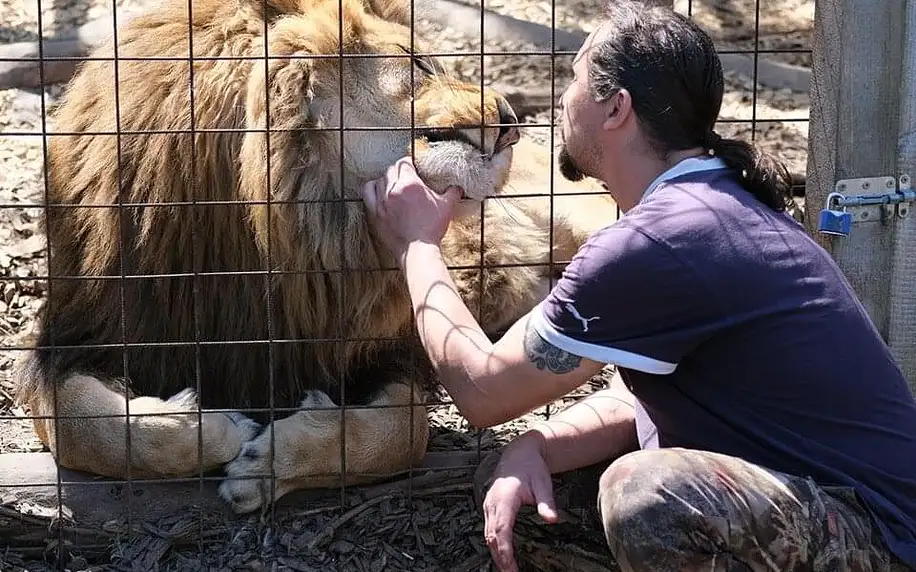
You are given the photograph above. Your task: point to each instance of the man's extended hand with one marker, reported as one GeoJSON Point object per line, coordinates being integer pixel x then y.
{"type": "Point", "coordinates": [521, 477]}
{"type": "Point", "coordinates": [403, 210]}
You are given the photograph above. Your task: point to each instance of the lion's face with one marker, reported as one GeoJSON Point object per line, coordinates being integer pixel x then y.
{"type": "Point", "coordinates": [462, 135]}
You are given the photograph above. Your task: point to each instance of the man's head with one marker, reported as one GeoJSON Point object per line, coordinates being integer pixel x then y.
{"type": "Point", "coordinates": [646, 68]}
{"type": "Point", "coordinates": [649, 81]}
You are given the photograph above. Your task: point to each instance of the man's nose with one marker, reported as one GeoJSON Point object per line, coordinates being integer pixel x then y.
{"type": "Point", "coordinates": [509, 134]}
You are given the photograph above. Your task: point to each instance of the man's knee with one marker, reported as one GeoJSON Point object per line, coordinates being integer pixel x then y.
{"type": "Point", "coordinates": [640, 480]}
{"type": "Point", "coordinates": [677, 509]}
{"type": "Point", "coordinates": [691, 481]}
{"type": "Point", "coordinates": [648, 504]}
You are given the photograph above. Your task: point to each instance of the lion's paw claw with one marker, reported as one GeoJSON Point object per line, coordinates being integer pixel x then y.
{"type": "Point", "coordinates": [248, 484]}
{"type": "Point", "coordinates": [249, 428]}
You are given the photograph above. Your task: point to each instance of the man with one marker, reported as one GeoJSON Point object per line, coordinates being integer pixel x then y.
{"type": "Point", "coordinates": [759, 421]}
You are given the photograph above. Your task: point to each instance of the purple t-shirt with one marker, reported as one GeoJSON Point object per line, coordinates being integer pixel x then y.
{"type": "Point", "coordinates": [738, 334]}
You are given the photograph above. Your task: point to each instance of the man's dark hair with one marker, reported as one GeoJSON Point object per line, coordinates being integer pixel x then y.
{"type": "Point", "coordinates": [670, 67]}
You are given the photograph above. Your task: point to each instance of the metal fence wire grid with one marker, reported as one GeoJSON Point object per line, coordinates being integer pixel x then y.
{"type": "Point", "coordinates": [193, 312]}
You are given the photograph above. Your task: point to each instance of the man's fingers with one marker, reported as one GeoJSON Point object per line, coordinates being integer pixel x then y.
{"type": "Point", "coordinates": [500, 510]}
{"type": "Point", "coordinates": [453, 194]}
{"type": "Point", "coordinates": [542, 488]}
{"type": "Point", "coordinates": [381, 191]}
{"type": "Point", "coordinates": [402, 171]}
{"type": "Point", "coordinates": [500, 540]}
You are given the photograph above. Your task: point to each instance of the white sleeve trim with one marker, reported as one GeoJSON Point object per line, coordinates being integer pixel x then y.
{"type": "Point", "coordinates": [597, 352]}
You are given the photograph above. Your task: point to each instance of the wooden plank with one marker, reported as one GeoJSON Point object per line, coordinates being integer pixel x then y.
{"type": "Point", "coordinates": [853, 131]}
{"type": "Point", "coordinates": [902, 320]}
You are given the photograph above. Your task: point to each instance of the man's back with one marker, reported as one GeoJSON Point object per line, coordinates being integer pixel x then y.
{"type": "Point", "coordinates": [825, 400]}
{"type": "Point", "coordinates": [739, 335]}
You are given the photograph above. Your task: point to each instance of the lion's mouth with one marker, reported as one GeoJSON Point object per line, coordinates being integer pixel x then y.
{"type": "Point", "coordinates": [443, 134]}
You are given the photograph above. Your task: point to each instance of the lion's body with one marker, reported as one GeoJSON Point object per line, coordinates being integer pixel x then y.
{"type": "Point", "coordinates": [251, 305]}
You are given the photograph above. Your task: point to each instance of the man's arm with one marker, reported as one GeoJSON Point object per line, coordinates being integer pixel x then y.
{"type": "Point", "coordinates": [490, 383]}
{"type": "Point", "coordinates": [599, 427]}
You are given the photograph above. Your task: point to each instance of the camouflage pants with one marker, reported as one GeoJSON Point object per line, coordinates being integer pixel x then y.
{"type": "Point", "coordinates": [685, 510]}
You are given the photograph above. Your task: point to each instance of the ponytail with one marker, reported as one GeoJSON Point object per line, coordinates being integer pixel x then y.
{"type": "Point", "coordinates": [762, 175]}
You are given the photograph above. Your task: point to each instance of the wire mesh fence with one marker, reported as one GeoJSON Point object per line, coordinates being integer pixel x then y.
{"type": "Point", "coordinates": [207, 245]}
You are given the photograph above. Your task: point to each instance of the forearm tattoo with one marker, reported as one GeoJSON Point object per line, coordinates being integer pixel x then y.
{"type": "Point", "coordinates": [545, 355]}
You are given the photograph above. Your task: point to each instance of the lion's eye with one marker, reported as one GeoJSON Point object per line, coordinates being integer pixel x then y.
{"type": "Point", "coordinates": [424, 65]}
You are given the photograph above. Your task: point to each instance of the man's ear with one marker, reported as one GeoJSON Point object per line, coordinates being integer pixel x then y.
{"type": "Point", "coordinates": [617, 109]}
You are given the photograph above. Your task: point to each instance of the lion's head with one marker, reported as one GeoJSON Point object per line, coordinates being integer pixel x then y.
{"type": "Point", "coordinates": [385, 92]}
{"type": "Point", "coordinates": [390, 100]}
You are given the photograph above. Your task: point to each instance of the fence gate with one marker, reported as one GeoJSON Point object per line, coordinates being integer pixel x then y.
{"type": "Point", "coordinates": [862, 144]}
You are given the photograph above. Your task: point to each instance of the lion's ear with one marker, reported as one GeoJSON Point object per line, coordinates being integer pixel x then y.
{"type": "Point", "coordinates": [278, 96]}
{"type": "Point", "coordinates": [398, 11]}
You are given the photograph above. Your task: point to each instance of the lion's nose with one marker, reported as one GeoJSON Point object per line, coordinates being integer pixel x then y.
{"type": "Point", "coordinates": [509, 134]}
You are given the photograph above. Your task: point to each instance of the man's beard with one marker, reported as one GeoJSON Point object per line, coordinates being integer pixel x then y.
{"type": "Point", "coordinates": [568, 167]}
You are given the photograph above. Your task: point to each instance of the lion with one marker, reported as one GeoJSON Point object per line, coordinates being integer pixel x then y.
{"type": "Point", "coordinates": [218, 295]}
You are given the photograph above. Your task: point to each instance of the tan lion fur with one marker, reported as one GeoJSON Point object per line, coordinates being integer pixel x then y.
{"type": "Point", "coordinates": [161, 248]}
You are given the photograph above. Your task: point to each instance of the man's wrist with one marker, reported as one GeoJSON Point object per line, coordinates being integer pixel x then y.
{"type": "Point", "coordinates": [418, 250]}
{"type": "Point", "coordinates": [532, 440]}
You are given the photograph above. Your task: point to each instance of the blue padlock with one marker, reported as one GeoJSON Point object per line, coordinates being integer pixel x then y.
{"type": "Point", "coordinates": [834, 221]}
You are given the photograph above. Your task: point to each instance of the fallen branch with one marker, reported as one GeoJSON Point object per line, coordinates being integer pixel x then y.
{"type": "Point", "coordinates": [530, 100]}
{"type": "Point", "coordinates": [20, 63]}
{"type": "Point", "coordinates": [341, 520]}
{"type": "Point", "coordinates": [26, 72]}
{"type": "Point", "coordinates": [465, 19]}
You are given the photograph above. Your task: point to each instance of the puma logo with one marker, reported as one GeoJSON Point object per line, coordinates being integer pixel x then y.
{"type": "Point", "coordinates": [585, 321]}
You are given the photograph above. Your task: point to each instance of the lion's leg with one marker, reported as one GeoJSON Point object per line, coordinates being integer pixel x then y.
{"type": "Point", "coordinates": [383, 438]}
{"type": "Point", "coordinates": [92, 432]}
{"type": "Point", "coordinates": [573, 219]}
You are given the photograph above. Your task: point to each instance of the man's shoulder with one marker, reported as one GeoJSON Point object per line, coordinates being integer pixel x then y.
{"type": "Point", "coordinates": [678, 216]}
{"type": "Point", "coordinates": [690, 199]}
{"type": "Point", "coordinates": [625, 241]}
{"type": "Point", "coordinates": [704, 213]}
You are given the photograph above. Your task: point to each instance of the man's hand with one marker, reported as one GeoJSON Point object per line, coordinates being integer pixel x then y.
{"type": "Point", "coordinates": [521, 478]}
{"type": "Point", "coordinates": [403, 210]}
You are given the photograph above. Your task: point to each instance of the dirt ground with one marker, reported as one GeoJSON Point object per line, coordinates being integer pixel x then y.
{"type": "Point", "coordinates": [434, 532]}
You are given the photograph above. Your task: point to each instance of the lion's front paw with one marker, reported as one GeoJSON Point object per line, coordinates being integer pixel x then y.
{"type": "Point", "coordinates": [247, 487]}
{"type": "Point", "coordinates": [248, 428]}
{"type": "Point", "coordinates": [306, 448]}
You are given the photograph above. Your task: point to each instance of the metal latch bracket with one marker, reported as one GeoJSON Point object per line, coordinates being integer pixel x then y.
{"type": "Point", "coordinates": [875, 199]}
